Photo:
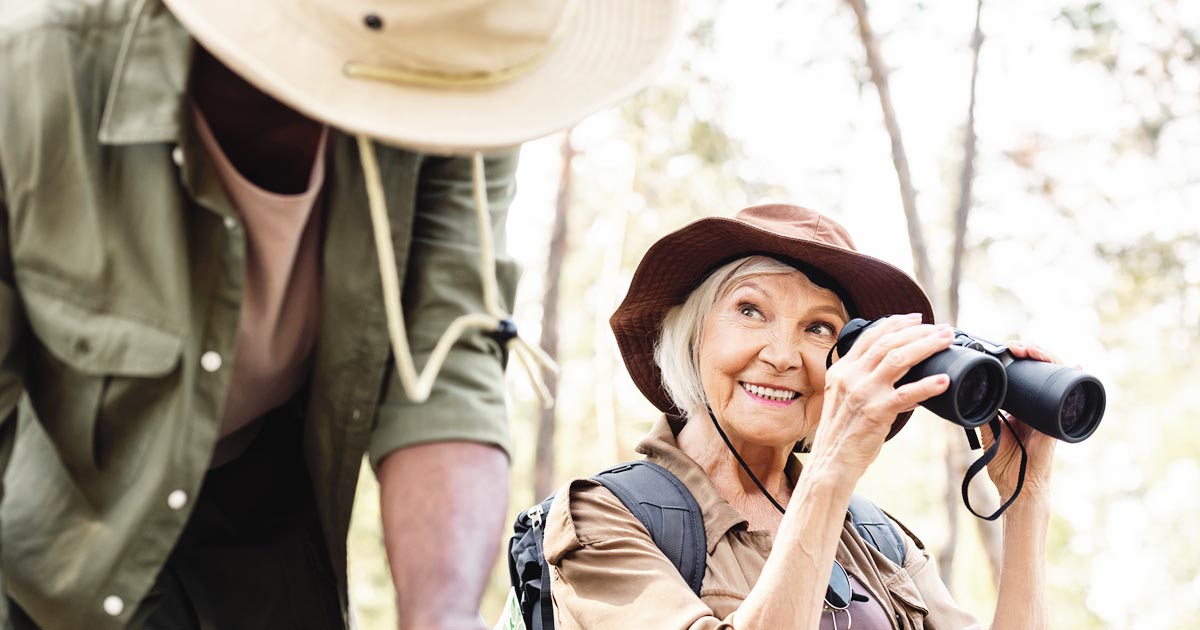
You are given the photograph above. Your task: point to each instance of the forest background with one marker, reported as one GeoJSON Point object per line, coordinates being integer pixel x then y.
{"type": "Point", "coordinates": [1034, 163]}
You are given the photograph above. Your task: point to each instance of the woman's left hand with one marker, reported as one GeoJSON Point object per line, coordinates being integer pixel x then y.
{"type": "Point", "coordinates": [1005, 468]}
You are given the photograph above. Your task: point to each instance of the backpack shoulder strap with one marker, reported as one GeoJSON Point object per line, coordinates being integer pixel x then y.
{"type": "Point", "coordinates": [527, 571]}
{"type": "Point", "coordinates": [877, 529]}
{"type": "Point", "coordinates": [668, 511]}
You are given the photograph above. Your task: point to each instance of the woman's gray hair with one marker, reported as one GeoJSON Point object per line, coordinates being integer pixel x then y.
{"type": "Point", "coordinates": [677, 349]}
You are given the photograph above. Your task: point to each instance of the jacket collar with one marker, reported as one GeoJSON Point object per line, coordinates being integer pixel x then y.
{"type": "Point", "coordinates": [660, 447]}
{"type": "Point", "coordinates": [145, 95]}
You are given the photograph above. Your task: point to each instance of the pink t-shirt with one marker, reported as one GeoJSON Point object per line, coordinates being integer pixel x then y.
{"type": "Point", "coordinates": [868, 615]}
{"type": "Point", "coordinates": [281, 302]}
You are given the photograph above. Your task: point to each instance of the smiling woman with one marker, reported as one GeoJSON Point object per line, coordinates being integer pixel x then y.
{"type": "Point", "coordinates": [728, 328]}
{"type": "Point", "coordinates": [739, 283]}
{"type": "Point", "coordinates": [762, 356]}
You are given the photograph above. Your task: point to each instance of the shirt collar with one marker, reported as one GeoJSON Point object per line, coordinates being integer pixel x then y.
{"type": "Point", "coordinates": [660, 447]}
{"type": "Point", "coordinates": [145, 96]}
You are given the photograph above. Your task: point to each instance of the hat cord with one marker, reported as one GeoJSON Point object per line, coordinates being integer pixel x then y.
{"type": "Point", "coordinates": [418, 386]}
{"type": "Point", "coordinates": [478, 79]}
{"type": "Point", "coordinates": [421, 78]}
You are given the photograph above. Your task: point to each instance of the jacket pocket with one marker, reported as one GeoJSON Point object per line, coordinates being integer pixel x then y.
{"type": "Point", "coordinates": [85, 360]}
{"type": "Point", "coordinates": [910, 606]}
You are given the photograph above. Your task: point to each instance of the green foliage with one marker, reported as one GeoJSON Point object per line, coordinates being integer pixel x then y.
{"type": "Point", "coordinates": [1152, 52]}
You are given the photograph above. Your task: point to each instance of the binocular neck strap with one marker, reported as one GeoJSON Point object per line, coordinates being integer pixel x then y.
{"type": "Point", "coordinates": [987, 457]}
{"type": "Point", "coordinates": [742, 462]}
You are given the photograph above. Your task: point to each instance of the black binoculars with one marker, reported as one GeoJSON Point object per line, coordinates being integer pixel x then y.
{"type": "Point", "coordinates": [984, 377]}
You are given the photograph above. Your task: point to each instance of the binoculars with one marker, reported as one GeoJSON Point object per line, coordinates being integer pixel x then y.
{"type": "Point", "coordinates": [984, 377]}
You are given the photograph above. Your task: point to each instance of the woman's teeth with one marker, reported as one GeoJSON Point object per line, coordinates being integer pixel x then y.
{"type": "Point", "coordinates": [781, 395]}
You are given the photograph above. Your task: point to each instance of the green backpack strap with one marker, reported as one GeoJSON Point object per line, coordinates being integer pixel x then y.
{"type": "Point", "coordinates": [879, 530]}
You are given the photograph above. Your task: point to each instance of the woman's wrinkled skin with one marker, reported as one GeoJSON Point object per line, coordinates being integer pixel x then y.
{"type": "Point", "coordinates": [761, 357]}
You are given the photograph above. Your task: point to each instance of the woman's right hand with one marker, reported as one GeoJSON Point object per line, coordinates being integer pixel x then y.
{"type": "Point", "coordinates": [861, 400]}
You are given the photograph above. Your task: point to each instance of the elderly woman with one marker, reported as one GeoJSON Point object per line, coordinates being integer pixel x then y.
{"type": "Point", "coordinates": [726, 328]}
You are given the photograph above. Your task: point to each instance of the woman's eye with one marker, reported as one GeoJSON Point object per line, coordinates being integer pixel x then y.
{"type": "Point", "coordinates": [749, 310]}
{"type": "Point", "coordinates": [823, 329]}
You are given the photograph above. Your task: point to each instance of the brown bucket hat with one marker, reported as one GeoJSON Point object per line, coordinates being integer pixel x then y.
{"type": "Point", "coordinates": [681, 260]}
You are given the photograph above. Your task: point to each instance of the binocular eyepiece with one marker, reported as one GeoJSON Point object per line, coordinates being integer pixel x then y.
{"type": "Point", "coordinates": [984, 377]}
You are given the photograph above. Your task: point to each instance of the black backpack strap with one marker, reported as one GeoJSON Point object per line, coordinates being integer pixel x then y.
{"type": "Point", "coordinates": [668, 511]}
{"type": "Point", "coordinates": [877, 529]}
{"type": "Point", "coordinates": [527, 571]}
{"type": "Point", "coordinates": [546, 610]}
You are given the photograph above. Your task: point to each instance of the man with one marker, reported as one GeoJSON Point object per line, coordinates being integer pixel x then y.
{"type": "Point", "coordinates": [194, 330]}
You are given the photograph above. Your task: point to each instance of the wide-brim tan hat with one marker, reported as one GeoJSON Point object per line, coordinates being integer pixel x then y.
{"type": "Point", "coordinates": [680, 261]}
{"type": "Point", "coordinates": [440, 76]}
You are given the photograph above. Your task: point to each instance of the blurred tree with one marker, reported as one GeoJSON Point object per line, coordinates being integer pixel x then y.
{"type": "Point", "coordinates": [1145, 505]}
{"type": "Point", "coordinates": [658, 161]}
{"type": "Point", "coordinates": [543, 465]}
{"type": "Point", "coordinates": [1135, 518]}
{"type": "Point", "coordinates": [1152, 50]}
{"type": "Point", "coordinates": [908, 192]}
{"type": "Point", "coordinates": [945, 305]}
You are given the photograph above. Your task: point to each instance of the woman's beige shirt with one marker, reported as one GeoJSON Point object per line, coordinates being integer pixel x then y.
{"type": "Point", "coordinates": [606, 572]}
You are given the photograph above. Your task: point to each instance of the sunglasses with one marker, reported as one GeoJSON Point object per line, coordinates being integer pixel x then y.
{"type": "Point", "coordinates": [839, 594]}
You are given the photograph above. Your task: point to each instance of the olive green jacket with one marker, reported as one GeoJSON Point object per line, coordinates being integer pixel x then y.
{"type": "Point", "coordinates": [121, 279]}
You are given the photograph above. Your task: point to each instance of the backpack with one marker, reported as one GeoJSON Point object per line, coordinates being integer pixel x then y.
{"type": "Point", "coordinates": [670, 513]}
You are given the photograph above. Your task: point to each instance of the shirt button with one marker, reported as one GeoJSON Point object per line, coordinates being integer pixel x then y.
{"type": "Point", "coordinates": [177, 156]}
{"type": "Point", "coordinates": [210, 361]}
{"type": "Point", "coordinates": [113, 605]}
{"type": "Point", "coordinates": [177, 499]}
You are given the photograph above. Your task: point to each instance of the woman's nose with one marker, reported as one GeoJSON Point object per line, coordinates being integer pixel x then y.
{"type": "Point", "coordinates": [781, 352]}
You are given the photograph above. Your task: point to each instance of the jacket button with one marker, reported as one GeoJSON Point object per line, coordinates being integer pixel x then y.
{"type": "Point", "coordinates": [177, 499]}
{"type": "Point", "coordinates": [210, 361]}
{"type": "Point", "coordinates": [230, 223]}
{"type": "Point", "coordinates": [113, 605]}
{"type": "Point", "coordinates": [177, 156]}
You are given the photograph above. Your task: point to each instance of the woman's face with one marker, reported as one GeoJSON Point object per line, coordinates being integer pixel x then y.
{"type": "Point", "coordinates": [762, 356]}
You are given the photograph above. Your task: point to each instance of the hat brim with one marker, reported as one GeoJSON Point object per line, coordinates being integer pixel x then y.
{"type": "Point", "coordinates": [610, 50]}
{"type": "Point", "coordinates": [680, 261]}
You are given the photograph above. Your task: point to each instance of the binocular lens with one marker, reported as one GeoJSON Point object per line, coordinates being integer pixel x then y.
{"type": "Point", "coordinates": [973, 398]}
{"type": "Point", "coordinates": [977, 385]}
{"type": "Point", "coordinates": [1054, 399]}
{"type": "Point", "coordinates": [1081, 410]}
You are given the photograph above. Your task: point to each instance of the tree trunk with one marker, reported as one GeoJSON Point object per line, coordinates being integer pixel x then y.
{"type": "Point", "coordinates": [606, 362]}
{"type": "Point", "coordinates": [957, 460]}
{"type": "Point", "coordinates": [955, 465]}
{"type": "Point", "coordinates": [908, 193]}
{"type": "Point", "coordinates": [543, 465]}
{"type": "Point", "coordinates": [967, 177]}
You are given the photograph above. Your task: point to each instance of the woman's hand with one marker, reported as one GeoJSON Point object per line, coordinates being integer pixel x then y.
{"type": "Point", "coordinates": [861, 397]}
{"type": "Point", "coordinates": [1004, 469]}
